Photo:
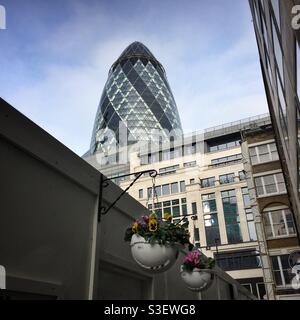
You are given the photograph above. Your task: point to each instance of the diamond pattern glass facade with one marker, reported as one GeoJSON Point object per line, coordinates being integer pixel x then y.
{"type": "Point", "coordinates": [136, 93]}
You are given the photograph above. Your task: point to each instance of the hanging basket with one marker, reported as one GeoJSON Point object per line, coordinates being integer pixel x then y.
{"type": "Point", "coordinates": [198, 279]}
{"type": "Point", "coordinates": [153, 257]}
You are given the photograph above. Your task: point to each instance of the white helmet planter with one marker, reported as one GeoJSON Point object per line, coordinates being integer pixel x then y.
{"type": "Point", "coordinates": [155, 242]}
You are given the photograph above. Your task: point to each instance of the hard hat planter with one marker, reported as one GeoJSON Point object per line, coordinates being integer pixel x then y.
{"type": "Point", "coordinates": [155, 242]}
{"type": "Point", "coordinates": [197, 271]}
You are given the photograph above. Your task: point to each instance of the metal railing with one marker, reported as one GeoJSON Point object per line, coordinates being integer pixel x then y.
{"type": "Point", "coordinates": [230, 126]}
{"type": "Point", "coordinates": [241, 122]}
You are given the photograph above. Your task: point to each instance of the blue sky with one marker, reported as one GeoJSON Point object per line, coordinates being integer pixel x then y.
{"type": "Point", "coordinates": [55, 56]}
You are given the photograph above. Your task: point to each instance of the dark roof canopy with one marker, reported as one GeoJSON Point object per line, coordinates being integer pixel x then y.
{"type": "Point", "coordinates": [137, 50]}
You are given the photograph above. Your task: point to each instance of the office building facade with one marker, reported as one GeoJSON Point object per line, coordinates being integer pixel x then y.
{"type": "Point", "coordinates": [277, 29]}
{"type": "Point", "coordinates": [272, 212]}
{"type": "Point", "coordinates": [202, 179]}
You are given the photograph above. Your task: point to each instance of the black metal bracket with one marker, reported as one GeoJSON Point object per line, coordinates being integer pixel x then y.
{"type": "Point", "coordinates": [105, 183]}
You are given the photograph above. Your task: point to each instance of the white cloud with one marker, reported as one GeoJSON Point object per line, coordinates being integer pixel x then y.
{"type": "Point", "coordinates": [211, 84]}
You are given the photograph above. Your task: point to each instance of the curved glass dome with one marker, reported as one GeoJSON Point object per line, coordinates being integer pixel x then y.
{"type": "Point", "coordinates": [137, 94]}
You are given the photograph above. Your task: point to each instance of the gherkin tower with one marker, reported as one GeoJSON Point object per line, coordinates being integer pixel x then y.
{"type": "Point", "coordinates": [136, 93]}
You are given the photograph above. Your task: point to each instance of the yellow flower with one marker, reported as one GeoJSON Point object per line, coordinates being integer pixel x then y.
{"type": "Point", "coordinates": [152, 225]}
{"type": "Point", "coordinates": [135, 227]}
{"type": "Point", "coordinates": [168, 216]}
{"type": "Point", "coordinates": [153, 216]}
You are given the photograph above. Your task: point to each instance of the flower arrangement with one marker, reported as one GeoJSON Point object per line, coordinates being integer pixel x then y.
{"type": "Point", "coordinates": [195, 259]}
{"type": "Point", "coordinates": [161, 231]}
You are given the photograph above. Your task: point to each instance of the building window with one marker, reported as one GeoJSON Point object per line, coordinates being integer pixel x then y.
{"type": "Point", "coordinates": [268, 66]}
{"type": "Point", "coordinates": [283, 125]}
{"type": "Point", "coordinates": [118, 180]}
{"type": "Point", "coordinates": [282, 107]}
{"type": "Point", "coordinates": [144, 159]}
{"type": "Point", "coordinates": [211, 222]}
{"type": "Point", "coordinates": [190, 164]}
{"type": "Point", "coordinates": [279, 223]}
{"type": "Point", "coordinates": [178, 152]}
{"type": "Point", "coordinates": [141, 193]}
{"type": "Point", "coordinates": [196, 235]}
{"type": "Point", "coordinates": [194, 208]}
{"type": "Point", "coordinates": [277, 50]}
{"type": "Point", "coordinates": [246, 197]}
{"type": "Point", "coordinates": [238, 260]}
{"type": "Point", "coordinates": [257, 17]}
{"type": "Point", "coordinates": [209, 203]}
{"type": "Point", "coordinates": [227, 178]}
{"type": "Point", "coordinates": [211, 229]}
{"type": "Point", "coordinates": [248, 286]}
{"type": "Point", "coordinates": [149, 192]}
{"type": "Point", "coordinates": [189, 149]}
{"type": "Point", "coordinates": [166, 155]}
{"type": "Point", "coordinates": [158, 209]}
{"type": "Point", "coordinates": [157, 191]}
{"type": "Point", "coordinates": [298, 68]}
{"type": "Point", "coordinates": [168, 170]}
{"type": "Point", "coordinates": [208, 182]}
{"type": "Point", "coordinates": [153, 157]}
{"type": "Point", "coordinates": [265, 33]}
{"type": "Point", "coordinates": [282, 102]}
{"type": "Point", "coordinates": [166, 189]}
{"type": "Point", "coordinates": [256, 288]}
{"type": "Point", "coordinates": [270, 184]}
{"type": "Point", "coordinates": [167, 208]}
{"type": "Point", "coordinates": [213, 147]}
{"type": "Point", "coordinates": [225, 161]}
{"type": "Point", "coordinates": [276, 10]}
{"type": "Point", "coordinates": [242, 175]}
{"type": "Point", "coordinates": [232, 219]}
{"type": "Point", "coordinates": [192, 181]}
{"type": "Point", "coordinates": [260, 290]}
{"type": "Point", "coordinates": [174, 187]}
{"type": "Point", "coordinates": [182, 186]}
{"type": "Point", "coordinates": [263, 153]}
{"type": "Point", "coordinates": [183, 207]}
{"type": "Point", "coordinates": [251, 225]}
{"type": "Point", "coordinates": [282, 270]}
{"type": "Point", "coordinates": [172, 154]}
{"type": "Point", "coordinates": [173, 207]}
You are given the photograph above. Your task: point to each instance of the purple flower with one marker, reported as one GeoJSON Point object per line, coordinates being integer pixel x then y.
{"type": "Point", "coordinates": [193, 258]}
{"type": "Point", "coordinates": [142, 223]}
{"type": "Point", "coordinates": [145, 219]}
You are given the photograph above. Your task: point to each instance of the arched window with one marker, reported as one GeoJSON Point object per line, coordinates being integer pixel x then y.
{"type": "Point", "coordinates": [278, 222]}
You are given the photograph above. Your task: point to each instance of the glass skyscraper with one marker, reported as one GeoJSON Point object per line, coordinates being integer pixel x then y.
{"type": "Point", "coordinates": [137, 94]}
